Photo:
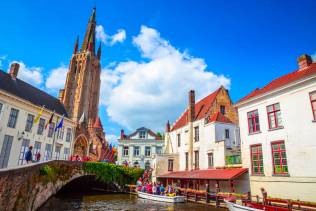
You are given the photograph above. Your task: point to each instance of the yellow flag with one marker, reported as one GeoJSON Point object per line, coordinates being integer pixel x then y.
{"type": "Point", "coordinates": [36, 120]}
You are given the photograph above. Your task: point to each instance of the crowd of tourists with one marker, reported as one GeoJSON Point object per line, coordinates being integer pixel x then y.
{"type": "Point", "coordinates": [155, 188]}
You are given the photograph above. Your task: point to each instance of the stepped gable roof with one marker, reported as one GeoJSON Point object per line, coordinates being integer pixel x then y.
{"type": "Point", "coordinates": [211, 174]}
{"type": "Point", "coordinates": [201, 109]}
{"type": "Point", "coordinates": [150, 132]}
{"type": "Point", "coordinates": [219, 117]}
{"type": "Point", "coordinates": [98, 123]}
{"type": "Point", "coordinates": [282, 81]}
{"type": "Point", "coordinates": [30, 93]}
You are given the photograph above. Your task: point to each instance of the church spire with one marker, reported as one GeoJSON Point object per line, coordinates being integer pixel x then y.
{"type": "Point", "coordinates": [99, 51]}
{"type": "Point", "coordinates": [89, 38]}
{"type": "Point", "coordinates": [76, 45]}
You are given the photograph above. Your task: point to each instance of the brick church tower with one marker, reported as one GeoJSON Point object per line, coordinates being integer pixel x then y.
{"type": "Point", "coordinates": [80, 96]}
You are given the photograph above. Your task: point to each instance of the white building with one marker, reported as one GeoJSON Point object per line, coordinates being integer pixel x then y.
{"type": "Point", "coordinates": [139, 148]}
{"type": "Point", "coordinates": [278, 134]}
{"type": "Point", "coordinates": [204, 139]}
{"type": "Point", "coordinates": [20, 104]}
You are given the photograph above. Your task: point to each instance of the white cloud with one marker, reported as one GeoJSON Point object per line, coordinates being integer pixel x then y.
{"type": "Point", "coordinates": [56, 79]}
{"type": "Point", "coordinates": [112, 139]}
{"type": "Point", "coordinates": [149, 93]}
{"type": "Point", "coordinates": [32, 75]}
{"type": "Point", "coordinates": [119, 37]}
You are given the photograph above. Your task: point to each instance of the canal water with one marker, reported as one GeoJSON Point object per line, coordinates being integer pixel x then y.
{"type": "Point", "coordinates": [125, 202]}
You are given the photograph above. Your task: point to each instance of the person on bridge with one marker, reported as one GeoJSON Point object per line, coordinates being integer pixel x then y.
{"type": "Point", "coordinates": [28, 155]}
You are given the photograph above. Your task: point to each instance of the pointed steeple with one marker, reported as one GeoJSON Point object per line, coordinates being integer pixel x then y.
{"type": "Point", "coordinates": [89, 38]}
{"type": "Point", "coordinates": [99, 51]}
{"type": "Point", "coordinates": [76, 45]}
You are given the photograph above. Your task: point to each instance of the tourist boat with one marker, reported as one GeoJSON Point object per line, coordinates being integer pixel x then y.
{"type": "Point", "coordinates": [170, 199]}
{"type": "Point", "coordinates": [253, 207]}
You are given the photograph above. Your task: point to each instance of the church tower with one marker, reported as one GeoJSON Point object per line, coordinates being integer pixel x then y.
{"type": "Point", "coordinates": [80, 97]}
{"type": "Point", "coordinates": [82, 88]}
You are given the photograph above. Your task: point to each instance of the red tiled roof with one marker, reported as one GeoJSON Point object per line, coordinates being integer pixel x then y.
{"type": "Point", "coordinates": [201, 109]}
{"type": "Point", "coordinates": [212, 174]}
{"type": "Point", "coordinates": [218, 117]}
{"type": "Point", "coordinates": [282, 81]}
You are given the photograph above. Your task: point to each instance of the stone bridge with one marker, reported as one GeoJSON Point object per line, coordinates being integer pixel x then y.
{"type": "Point", "coordinates": [28, 187]}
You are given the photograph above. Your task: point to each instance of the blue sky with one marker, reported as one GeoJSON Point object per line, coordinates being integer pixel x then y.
{"type": "Point", "coordinates": [241, 44]}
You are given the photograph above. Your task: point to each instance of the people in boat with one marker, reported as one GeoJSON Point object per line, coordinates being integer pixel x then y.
{"type": "Point", "coordinates": [143, 188]}
{"type": "Point", "coordinates": [169, 189]}
{"type": "Point", "coordinates": [162, 189]}
{"type": "Point", "coordinates": [149, 188]}
{"type": "Point", "coordinates": [158, 189]}
{"type": "Point", "coordinates": [154, 188]}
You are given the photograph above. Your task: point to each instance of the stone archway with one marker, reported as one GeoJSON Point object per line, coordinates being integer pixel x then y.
{"type": "Point", "coordinates": [81, 146]}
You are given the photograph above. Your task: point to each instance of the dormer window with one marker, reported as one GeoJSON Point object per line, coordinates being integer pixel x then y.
{"type": "Point", "coordinates": [142, 134]}
{"type": "Point", "coordinates": [222, 109]}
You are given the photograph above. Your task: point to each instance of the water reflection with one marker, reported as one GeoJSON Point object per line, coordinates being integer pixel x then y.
{"type": "Point", "coordinates": [108, 202]}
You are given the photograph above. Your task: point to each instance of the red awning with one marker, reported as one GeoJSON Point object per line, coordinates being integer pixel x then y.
{"type": "Point", "coordinates": [211, 174]}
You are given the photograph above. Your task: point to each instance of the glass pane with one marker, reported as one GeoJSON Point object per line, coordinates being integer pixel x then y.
{"type": "Point", "coordinates": [270, 108]}
{"type": "Point", "coordinates": [260, 157]}
{"type": "Point", "coordinates": [271, 120]}
{"type": "Point", "coordinates": [276, 155]}
{"type": "Point", "coordinates": [284, 162]}
{"type": "Point", "coordinates": [254, 157]}
{"type": "Point", "coordinates": [277, 169]}
{"type": "Point", "coordinates": [255, 112]}
{"type": "Point", "coordinates": [282, 146]}
{"type": "Point", "coordinates": [253, 149]}
{"type": "Point", "coordinates": [249, 114]}
{"type": "Point", "coordinates": [275, 147]}
{"type": "Point", "coordinates": [279, 119]}
{"type": "Point", "coordinates": [285, 169]}
{"type": "Point", "coordinates": [277, 162]}
{"type": "Point", "coordinates": [255, 169]}
{"type": "Point", "coordinates": [277, 106]}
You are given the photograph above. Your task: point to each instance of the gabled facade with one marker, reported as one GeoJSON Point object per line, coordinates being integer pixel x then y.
{"type": "Point", "coordinates": [139, 148]}
{"type": "Point", "coordinates": [278, 133]}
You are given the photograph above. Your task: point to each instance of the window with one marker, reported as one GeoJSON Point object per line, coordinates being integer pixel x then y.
{"type": "Point", "coordinates": [142, 134]}
{"type": "Point", "coordinates": [186, 160]}
{"type": "Point", "coordinates": [51, 129]}
{"type": "Point", "coordinates": [196, 134]}
{"type": "Point", "coordinates": [41, 126]}
{"type": "Point", "coordinates": [37, 149]}
{"type": "Point", "coordinates": [29, 122]}
{"type": "Point", "coordinates": [13, 117]}
{"type": "Point", "coordinates": [66, 153]}
{"type": "Point", "coordinates": [210, 160]}
{"type": "Point", "coordinates": [222, 109]}
{"type": "Point", "coordinates": [158, 150]}
{"type": "Point", "coordinates": [196, 159]}
{"type": "Point", "coordinates": [147, 151]}
{"type": "Point", "coordinates": [279, 158]}
{"type": "Point", "coordinates": [48, 151]}
{"type": "Point", "coordinates": [274, 116]}
{"type": "Point", "coordinates": [5, 151]}
{"type": "Point", "coordinates": [60, 133]}
{"type": "Point", "coordinates": [23, 150]}
{"type": "Point", "coordinates": [136, 150]}
{"type": "Point", "coordinates": [57, 152]}
{"type": "Point", "coordinates": [68, 135]}
{"type": "Point", "coordinates": [147, 164]}
{"type": "Point", "coordinates": [179, 140]}
{"type": "Point", "coordinates": [170, 165]}
{"type": "Point", "coordinates": [256, 159]}
{"type": "Point", "coordinates": [227, 133]}
{"type": "Point", "coordinates": [253, 121]}
{"type": "Point", "coordinates": [313, 102]}
{"type": "Point", "coordinates": [1, 105]}
{"type": "Point", "coordinates": [125, 151]}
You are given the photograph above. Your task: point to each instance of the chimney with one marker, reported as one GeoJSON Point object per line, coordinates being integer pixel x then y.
{"type": "Point", "coordinates": [14, 69]}
{"type": "Point", "coordinates": [191, 115]}
{"type": "Point", "coordinates": [304, 61]}
{"type": "Point", "coordinates": [168, 127]}
{"type": "Point", "coordinates": [61, 94]}
{"type": "Point", "coordinates": [122, 134]}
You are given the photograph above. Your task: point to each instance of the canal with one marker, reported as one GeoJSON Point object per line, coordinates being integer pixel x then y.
{"type": "Point", "coordinates": [108, 202]}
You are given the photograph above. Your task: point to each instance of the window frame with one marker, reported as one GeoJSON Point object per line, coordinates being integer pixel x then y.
{"type": "Point", "coordinates": [227, 133]}
{"type": "Point", "coordinates": [125, 151]}
{"type": "Point", "coordinates": [279, 150]}
{"type": "Point", "coordinates": [158, 150]}
{"type": "Point", "coordinates": [170, 164]}
{"type": "Point", "coordinates": [312, 101]}
{"type": "Point", "coordinates": [13, 117]}
{"type": "Point", "coordinates": [51, 130]}
{"type": "Point", "coordinates": [210, 155]}
{"type": "Point", "coordinates": [253, 119]}
{"type": "Point", "coordinates": [146, 150]}
{"type": "Point", "coordinates": [259, 173]}
{"type": "Point", "coordinates": [142, 136]}
{"type": "Point", "coordinates": [25, 144]}
{"type": "Point", "coordinates": [41, 127]}
{"type": "Point", "coordinates": [196, 134]}
{"type": "Point", "coordinates": [221, 109]}
{"type": "Point", "coordinates": [274, 112]}
{"type": "Point", "coordinates": [29, 122]}
{"type": "Point", "coordinates": [66, 155]}
{"type": "Point", "coordinates": [134, 150]}
{"type": "Point", "coordinates": [179, 139]}
{"type": "Point", "coordinates": [196, 159]}
{"type": "Point", "coordinates": [186, 154]}
{"type": "Point", "coordinates": [68, 134]}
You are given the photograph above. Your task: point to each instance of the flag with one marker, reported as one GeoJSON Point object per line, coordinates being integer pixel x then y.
{"type": "Point", "coordinates": [60, 124]}
{"type": "Point", "coordinates": [81, 120]}
{"type": "Point", "coordinates": [36, 120]}
{"type": "Point", "coordinates": [50, 121]}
